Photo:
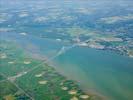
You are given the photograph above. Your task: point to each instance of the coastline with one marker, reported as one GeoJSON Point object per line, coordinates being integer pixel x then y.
{"type": "Point", "coordinates": [22, 78]}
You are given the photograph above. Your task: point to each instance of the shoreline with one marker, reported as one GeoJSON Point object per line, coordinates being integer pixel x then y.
{"type": "Point", "coordinates": [87, 91]}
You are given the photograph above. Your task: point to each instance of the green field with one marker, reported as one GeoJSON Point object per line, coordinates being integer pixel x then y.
{"type": "Point", "coordinates": [25, 78]}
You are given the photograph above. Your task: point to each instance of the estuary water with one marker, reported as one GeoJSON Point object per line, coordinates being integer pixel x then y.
{"type": "Point", "coordinates": [100, 72]}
